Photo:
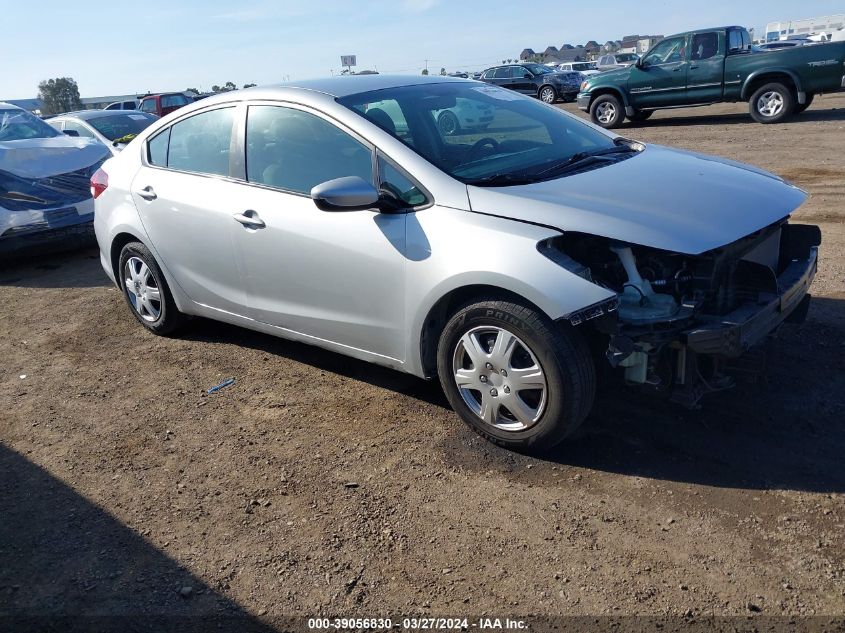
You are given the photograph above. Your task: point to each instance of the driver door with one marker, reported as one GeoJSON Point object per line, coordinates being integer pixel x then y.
{"type": "Point", "coordinates": [661, 77]}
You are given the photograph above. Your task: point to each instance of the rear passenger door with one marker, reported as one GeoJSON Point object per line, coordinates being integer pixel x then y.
{"type": "Point", "coordinates": [187, 202]}
{"type": "Point", "coordinates": [706, 74]}
{"type": "Point", "coordinates": [338, 277]}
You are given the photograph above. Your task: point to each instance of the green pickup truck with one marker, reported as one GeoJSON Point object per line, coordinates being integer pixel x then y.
{"type": "Point", "coordinates": [710, 66]}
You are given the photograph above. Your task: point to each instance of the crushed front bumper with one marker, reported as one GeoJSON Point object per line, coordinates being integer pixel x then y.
{"type": "Point", "coordinates": [32, 231]}
{"type": "Point", "coordinates": [733, 334]}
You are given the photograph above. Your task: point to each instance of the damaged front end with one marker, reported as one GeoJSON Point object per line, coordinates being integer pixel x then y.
{"type": "Point", "coordinates": [683, 324]}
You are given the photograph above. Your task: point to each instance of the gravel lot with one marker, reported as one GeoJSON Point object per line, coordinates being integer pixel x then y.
{"type": "Point", "coordinates": [317, 484]}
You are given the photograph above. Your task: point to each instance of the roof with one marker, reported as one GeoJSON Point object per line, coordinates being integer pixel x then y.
{"type": "Point", "coordinates": [713, 28]}
{"type": "Point", "coordinates": [86, 115]}
{"type": "Point", "coordinates": [343, 86]}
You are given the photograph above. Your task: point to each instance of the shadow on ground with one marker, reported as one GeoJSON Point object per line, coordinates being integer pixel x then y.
{"type": "Point", "coordinates": [66, 564]}
{"type": "Point", "coordinates": [812, 115]}
{"type": "Point", "coordinates": [70, 269]}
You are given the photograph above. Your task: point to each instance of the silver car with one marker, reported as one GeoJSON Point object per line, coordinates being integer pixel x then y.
{"type": "Point", "coordinates": [511, 264]}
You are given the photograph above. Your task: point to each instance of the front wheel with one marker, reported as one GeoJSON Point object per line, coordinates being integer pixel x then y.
{"type": "Point", "coordinates": [547, 94]}
{"type": "Point", "coordinates": [514, 376]}
{"type": "Point", "coordinates": [771, 103]}
{"type": "Point", "coordinates": [607, 111]}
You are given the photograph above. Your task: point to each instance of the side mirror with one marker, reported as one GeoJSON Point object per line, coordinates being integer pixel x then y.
{"type": "Point", "coordinates": [351, 193]}
{"type": "Point", "coordinates": [71, 132]}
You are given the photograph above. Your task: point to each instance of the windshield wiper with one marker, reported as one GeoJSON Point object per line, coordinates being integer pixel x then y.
{"type": "Point", "coordinates": [578, 159]}
{"type": "Point", "coordinates": [501, 179]}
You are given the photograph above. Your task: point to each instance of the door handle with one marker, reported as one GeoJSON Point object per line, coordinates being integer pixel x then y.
{"type": "Point", "coordinates": [693, 67]}
{"type": "Point", "coordinates": [249, 219]}
{"type": "Point", "coordinates": [147, 193]}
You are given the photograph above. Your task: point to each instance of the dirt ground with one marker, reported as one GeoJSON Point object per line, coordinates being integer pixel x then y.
{"type": "Point", "coordinates": [317, 484]}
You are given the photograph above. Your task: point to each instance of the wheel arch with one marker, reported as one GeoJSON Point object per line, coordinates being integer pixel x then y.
{"type": "Point", "coordinates": [612, 90]}
{"type": "Point", "coordinates": [768, 75]}
{"type": "Point", "coordinates": [446, 306]}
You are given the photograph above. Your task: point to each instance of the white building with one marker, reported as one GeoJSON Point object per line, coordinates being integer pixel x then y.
{"type": "Point", "coordinates": [807, 26]}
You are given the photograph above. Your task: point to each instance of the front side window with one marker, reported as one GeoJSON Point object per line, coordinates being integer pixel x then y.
{"type": "Point", "coordinates": [478, 132]}
{"type": "Point", "coordinates": [201, 143]}
{"type": "Point", "coordinates": [704, 46]}
{"type": "Point", "coordinates": [148, 105]}
{"type": "Point", "coordinates": [295, 150]}
{"type": "Point", "coordinates": [537, 69]}
{"type": "Point", "coordinates": [518, 72]}
{"type": "Point", "coordinates": [668, 51]}
{"type": "Point", "coordinates": [502, 73]}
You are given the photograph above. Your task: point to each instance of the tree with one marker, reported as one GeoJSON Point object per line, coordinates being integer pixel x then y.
{"type": "Point", "coordinates": [425, 71]}
{"type": "Point", "coordinates": [59, 95]}
{"type": "Point", "coordinates": [230, 86]}
{"type": "Point", "coordinates": [250, 85]}
{"type": "Point", "coordinates": [194, 90]}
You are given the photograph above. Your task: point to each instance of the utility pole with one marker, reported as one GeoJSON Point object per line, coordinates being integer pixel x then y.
{"type": "Point", "coordinates": [426, 66]}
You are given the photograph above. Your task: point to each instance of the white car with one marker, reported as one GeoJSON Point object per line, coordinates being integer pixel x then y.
{"type": "Point", "coordinates": [616, 60]}
{"type": "Point", "coordinates": [131, 104]}
{"type": "Point", "coordinates": [585, 68]}
{"type": "Point", "coordinates": [114, 129]}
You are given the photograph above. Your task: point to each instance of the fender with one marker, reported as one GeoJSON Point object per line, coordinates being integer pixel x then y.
{"type": "Point", "coordinates": [745, 93]}
{"type": "Point", "coordinates": [619, 92]}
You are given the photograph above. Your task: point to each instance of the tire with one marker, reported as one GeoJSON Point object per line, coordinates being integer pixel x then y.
{"type": "Point", "coordinates": [553, 364]}
{"type": "Point", "coordinates": [448, 123]}
{"type": "Point", "coordinates": [641, 115]}
{"type": "Point", "coordinates": [547, 94]}
{"type": "Point", "coordinates": [800, 107]}
{"type": "Point", "coordinates": [140, 278]}
{"type": "Point", "coordinates": [607, 111]}
{"type": "Point", "coordinates": [771, 103]}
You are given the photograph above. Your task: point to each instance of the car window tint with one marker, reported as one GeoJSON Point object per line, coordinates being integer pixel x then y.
{"type": "Point", "coordinates": [705, 45]}
{"type": "Point", "coordinates": [502, 73]}
{"type": "Point", "coordinates": [518, 72]}
{"type": "Point", "coordinates": [201, 143]}
{"type": "Point", "coordinates": [79, 129]}
{"type": "Point", "coordinates": [149, 105]}
{"type": "Point", "coordinates": [388, 115]}
{"type": "Point", "coordinates": [396, 184]}
{"type": "Point", "coordinates": [157, 149]}
{"type": "Point", "coordinates": [295, 150]}
{"type": "Point", "coordinates": [169, 101]}
{"type": "Point", "coordinates": [488, 74]}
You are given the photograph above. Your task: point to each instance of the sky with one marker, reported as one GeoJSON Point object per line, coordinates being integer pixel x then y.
{"type": "Point", "coordinates": [159, 45]}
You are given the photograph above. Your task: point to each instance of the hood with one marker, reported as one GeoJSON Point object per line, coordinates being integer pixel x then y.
{"type": "Point", "coordinates": [668, 199]}
{"type": "Point", "coordinates": [45, 157]}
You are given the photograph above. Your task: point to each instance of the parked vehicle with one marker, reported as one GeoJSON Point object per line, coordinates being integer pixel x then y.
{"type": "Point", "coordinates": [112, 129]}
{"type": "Point", "coordinates": [772, 46]}
{"type": "Point", "coordinates": [585, 68]}
{"type": "Point", "coordinates": [123, 105]}
{"type": "Point", "coordinates": [613, 61]}
{"type": "Point", "coordinates": [510, 266]}
{"type": "Point", "coordinates": [710, 66]}
{"type": "Point", "coordinates": [45, 198]}
{"type": "Point", "coordinates": [465, 115]}
{"type": "Point", "coordinates": [534, 79]}
{"type": "Point", "coordinates": [163, 104]}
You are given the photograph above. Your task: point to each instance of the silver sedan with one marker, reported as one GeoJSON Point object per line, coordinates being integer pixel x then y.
{"type": "Point", "coordinates": [509, 261]}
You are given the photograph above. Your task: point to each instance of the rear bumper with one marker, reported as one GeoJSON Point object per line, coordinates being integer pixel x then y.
{"type": "Point", "coordinates": [735, 333]}
{"type": "Point", "coordinates": [584, 101]}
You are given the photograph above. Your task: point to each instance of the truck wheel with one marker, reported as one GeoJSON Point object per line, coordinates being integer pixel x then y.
{"type": "Point", "coordinates": [514, 376]}
{"type": "Point", "coordinates": [641, 115]}
{"type": "Point", "coordinates": [772, 103]}
{"type": "Point", "coordinates": [607, 111]}
{"type": "Point", "coordinates": [800, 107]}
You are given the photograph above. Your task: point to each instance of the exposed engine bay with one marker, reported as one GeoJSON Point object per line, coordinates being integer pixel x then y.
{"type": "Point", "coordinates": [680, 323]}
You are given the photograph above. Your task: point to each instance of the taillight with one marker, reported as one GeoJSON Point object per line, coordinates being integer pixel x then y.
{"type": "Point", "coordinates": [99, 183]}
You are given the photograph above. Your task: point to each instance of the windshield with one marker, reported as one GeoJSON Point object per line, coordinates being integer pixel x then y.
{"type": "Point", "coordinates": [538, 69]}
{"type": "Point", "coordinates": [122, 126]}
{"type": "Point", "coordinates": [475, 132]}
{"type": "Point", "coordinates": [17, 125]}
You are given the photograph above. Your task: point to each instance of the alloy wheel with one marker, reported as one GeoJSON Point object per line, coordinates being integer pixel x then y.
{"type": "Point", "coordinates": [770, 103]}
{"type": "Point", "coordinates": [605, 112]}
{"type": "Point", "coordinates": [499, 378]}
{"type": "Point", "coordinates": [547, 95]}
{"type": "Point", "coordinates": [142, 289]}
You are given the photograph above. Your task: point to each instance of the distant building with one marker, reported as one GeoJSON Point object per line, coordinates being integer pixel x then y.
{"type": "Point", "coordinates": [526, 54]}
{"type": "Point", "coordinates": [592, 49]}
{"type": "Point", "coordinates": [807, 26]}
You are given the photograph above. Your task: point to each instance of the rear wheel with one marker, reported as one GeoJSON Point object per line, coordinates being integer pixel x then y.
{"type": "Point", "coordinates": [146, 291]}
{"type": "Point", "coordinates": [800, 107]}
{"type": "Point", "coordinates": [772, 103]}
{"type": "Point", "coordinates": [514, 376]}
{"type": "Point", "coordinates": [547, 94]}
{"type": "Point", "coordinates": [606, 111]}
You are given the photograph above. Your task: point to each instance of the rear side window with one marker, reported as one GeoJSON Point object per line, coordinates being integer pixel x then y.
{"type": "Point", "coordinates": [705, 45]}
{"type": "Point", "coordinates": [295, 150]}
{"type": "Point", "coordinates": [502, 73]}
{"type": "Point", "coordinates": [198, 144]}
